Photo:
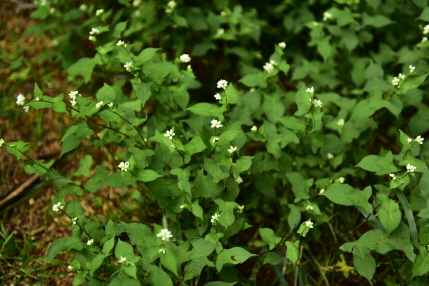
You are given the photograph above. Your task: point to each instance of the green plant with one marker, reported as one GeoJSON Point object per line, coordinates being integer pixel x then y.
{"type": "Point", "coordinates": [309, 156]}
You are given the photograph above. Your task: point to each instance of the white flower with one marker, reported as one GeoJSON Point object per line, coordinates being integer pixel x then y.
{"type": "Point", "coordinates": [110, 105]}
{"type": "Point", "coordinates": [223, 13]}
{"type": "Point", "coordinates": [129, 66]}
{"type": "Point", "coordinates": [426, 29]}
{"type": "Point", "coordinates": [185, 58]}
{"type": "Point", "coordinates": [189, 68]}
{"type": "Point", "coordinates": [168, 11]}
{"type": "Point", "coordinates": [232, 149]}
{"type": "Point", "coordinates": [94, 31]}
{"type": "Point", "coordinates": [121, 43]}
{"type": "Point", "coordinates": [321, 191]}
{"type": "Point", "coordinates": [309, 207]}
{"type": "Point", "coordinates": [70, 268]}
{"type": "Point", "coordinates": [136, 3]}
{"type": "Point", "coordinates": [122, 259]}
{"type": "Point", "coordinates": [222, 84]}
{"type": "Point", "coordinates": [310, 90]}
{"type": "Point", "coordinates": [240, 209]}
{"type": "Point", "coordinates": [90, 242]}
{"type": "Point", "coordinates": [1, 142]}
{"type": "Point", "coordinates": [215, 139]}
{"type": "Point", "coordinates": [327, 16]}
{"type": "Point", "coordinates": [74, 220]}
{"type": "Point", "coordinates": [99, 104]}
{"type": "Point", "coordinates": [254, 128]}
{"type": "Point", "coordinates": [317, 103]}
{"type": "Point", "coordinates": [395, 81]}
{"type": "Point", "coordinates": [220, 32]}
{"type": "Point", "coordinates": [309, 224]}
{"type": "Point", "coordinates": [37, 99]}
{"type": "Point", "coordinates": [239, 180]}
{"type": "Point", "coordinates": [20, 99]}
{"type": "Point", "coordinates": [282, 45]}
{"type": "Point", "coordinates": [26, 108]}
{"type": "Point", "coordinates": [169, 133]}
{"type": "Point", "coordinates": [57, 207]}
{"type": "Point", "coordinates": [341, 180]}
{"type": "Point", "coordinates": [216, 124]}
{"type": "Point", "coordinates": [91, 38]}
{"type": "Point", "coordinates": [419, 139]}
{"type": "Point", "coordinates": [183, 206]}
{"type": "Point", "coordinates": [269, 67]}
{"type": "Point", "coordinates": [424, 39]}
{"type": "Point", "coordinates": [83, 7]}
{"type": "Point", "coordinates": [52, 10]}
{"type": "Point", "coordinates": [401, 76]}
{"type": "Point", "coordinates": [173, 146]}
{"type": "Point", "coordinates": [411, 168]}
{"type": "Point", "coordinates": [409, 140]}
{"type": "Point", "coordinates": [162, 250]}
{"type": "Point", "coordinates": [171, 4]}
{"type": "Point", "coordinates": [165, 234]}
{"type": "Point", "coordinates": [99, 12]}
{"type": "Point", "coordinates": [330, 156]}
{"type": "Point", "coordinates": [217, 96]}
{"type": "Point", "coordinates": [124, 166]}
{"type": "Point", "coordinates": [393, 176]}
{"type": "Point", "coordinates": [340, 122]}
{"type": "Point", "coordinates": [412, 68]}
{"type": "Point", "coordinates": [214, 218]}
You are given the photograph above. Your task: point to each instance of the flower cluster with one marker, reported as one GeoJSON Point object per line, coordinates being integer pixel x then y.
{"type": "Point", "coordinates": [282, 45]}
{"type": "Point", "coordinates": [121, 43]}
{"type": "Point", "coordinates": [99, 104]}
{"type": "Point", "coordinates": [309, 224]}
{"type": "Point", "coordinates": [169, 133]}
{"type": "Point", "coordinates": [340, 122]}
{"type": "Point", "coordinates": [269, 67]}
{"type": "Point", "coordinates": [57, 207]}
{"type": "Point", "coordinates": [220, 32]}
{"type": "Point", "coordinates": [1, 142]}
{"type": "Point", "coordinates": [222, 84]}
{"type": "Point", "coordinates": [122, 260]}
{"type": "Point", "coordinates": [341, 180]}
{"type": "Point", "coordinates": [412, 68]}
{"type": "Point", "coordinates": [327, 16]}
{"type": "Point", "coordinates": [165, 234]}
{"type": "Point", "coordinates": [232, 149]}
{"type": "Point", "coordinates": [217, 96]}
{"type": "Point", "coordinates": [240, 209]}
{"type": "Point", "coordinates": [73, 95]}
{"type": "Point", "coordinates": [171, 5]}
{"type": "Point", "coordinates": [129, 66]}
{"type": "Point", "coordinates": [74, 220]}
{"type": "Point", "coordinates": [410, 168]}
{"type": "Point", "coordinates": [239, 180]}
{"type": "Point", "coordinates": [426, 29]}
{"type": "Point", "coordinates": [254, 128]}
{"type": "Point", "coordinates": [317, 103]}
{"type": "Point", "coordinates": [310, 90]}
{"type": "Point", "coordinates": [90, 242]}
{"type": "Point", "coordinates": [99, 12]}
{"type": "Point", "coordinates": [214, 218]}
{"type": "Point", "coordinates": [216, 124]}
{"type": "Point", "coordinates": [20, 99]}
{"type": "Point", "coordinates": [185, 58]}
{"type": "Point", "coordinates": [124, 166]}
{"type": "Point", "coordinates": [393, 176]}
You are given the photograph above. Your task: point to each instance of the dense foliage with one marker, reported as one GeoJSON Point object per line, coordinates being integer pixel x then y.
{"type": "Point", "coordinates": [259, 143]}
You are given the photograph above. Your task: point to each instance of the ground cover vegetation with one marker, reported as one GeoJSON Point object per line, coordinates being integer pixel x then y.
{"type": "Point", "coordinates": [215, 143]}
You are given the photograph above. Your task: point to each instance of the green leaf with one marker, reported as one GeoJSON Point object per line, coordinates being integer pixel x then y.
{"type": "Point", "coordinates": [364, 263]}
{"type": "Point", "coordinates": [108, 245]}
{"type": "Point", "coordinates": [106, 94]}
{"type": "Point", "coordinates": [300, 186]}
{"type": "Point", "coordinates": [95, 263]}
{"type": "Point", "coordinates": [220, 283]}
{"type": "Point", "coordinates": [324, 49]}
{"type": "Point", "coordinates": [272, 258]}
{"type": "Point", "coordinates": [377, 21]}
{"type": "Point", "coordinates": [119, 28]}
{"type": "Point", "coordinates": [346, 195]}
{"type": "Point", "coordinates": [256, 79]}
{"type": "Point", "coordinates": [169, 259]}
{"type": "Point", "coordinates": [194, 268]}
{"type": "Point", "coordinates": [146, 55]}
{"type": "Point", "coordinates": [197, 210]}
{"type": "Point", "coordinates": [17, 149]}
{"type": "Point", "coordinates": [242, 164]}
{"type": "Point", "coordinates": [424, 15]}
{"type": "Point", "coordinates": [84, 166]}
{"type": "Point", "coordinates": [214, 170]}
{"type": "Point", "coordinates": [61, 245]}
{"type": "Point", "coordinates": [421, 263]}
{"type": "Point", "coordinates": [413, 81]}
{"type": "Point", "coordinates": [226, 209]}
{"type": "Point", "coordinates": [234, 256]}
{"type": "Point", "coordinates": [147, 175]}
{"type": "Point", "coordinates": [196, 145]}
{"type": "Point", "coordinates": [84, 67]}
{"type": "Point", "coordinates": [389, 215]}
{"type": "Point", "coordinates": [269, 237]}
{"type": "Point", "coordinates": [380, 165]}
{"type": "Point", "coordinates": [145, 240]}
{"type": "Point", "coordinates": [206, 109]}
{"type": "Point", "coordinates": [292, 251]}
